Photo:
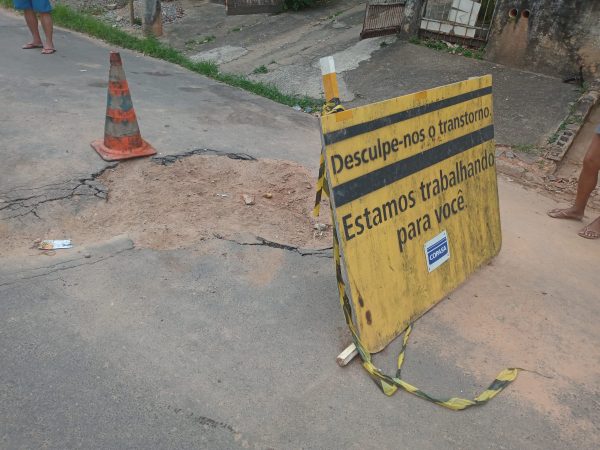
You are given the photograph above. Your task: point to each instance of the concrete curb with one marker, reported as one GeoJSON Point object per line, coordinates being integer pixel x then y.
{"type": "Point", "coordinates": [574, 122]}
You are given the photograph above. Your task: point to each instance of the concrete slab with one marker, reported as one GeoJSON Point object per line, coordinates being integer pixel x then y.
{"type": "Point", "coordinates": [220, 55]}
{"type": "Point", "coordinates": [305, 78]}
{"type": "Point", "coordinates": [528, 107]}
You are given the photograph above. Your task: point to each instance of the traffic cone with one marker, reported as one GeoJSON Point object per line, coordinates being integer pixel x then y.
{"type": "Point", "coordinates": [122, 138]}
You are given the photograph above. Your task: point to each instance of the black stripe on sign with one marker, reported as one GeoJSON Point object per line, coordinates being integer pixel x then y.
{"type": "Point", "coordinates": [370, 182]}
{"type": "Point", "coordinates": [366, 127]}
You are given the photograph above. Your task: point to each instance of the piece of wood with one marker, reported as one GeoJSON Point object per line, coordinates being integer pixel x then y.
{"type": "Point", "coordinates": [347, 355]}
{"type": "Point", "coordinates": [330, 84]}
{"type": "Point", "coordinates": [131, 12]}
{"type": "Point", "coordinates": [331, 91]}
{"type": "Point", "coordinates": [152, 18]}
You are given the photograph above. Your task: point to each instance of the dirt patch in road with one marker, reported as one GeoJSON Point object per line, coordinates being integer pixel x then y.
{"type": "Point", "coordinates": [192, 199]}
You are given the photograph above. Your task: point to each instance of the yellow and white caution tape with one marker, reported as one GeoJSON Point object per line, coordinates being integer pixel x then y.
{"type": "Point", "coordinates": [331, 107]}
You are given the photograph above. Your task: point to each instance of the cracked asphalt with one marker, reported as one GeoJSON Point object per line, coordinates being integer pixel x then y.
{"type": "Point", "coordinates": [231, 343]}
{"type": "Point", "coordinates": [21, 201]}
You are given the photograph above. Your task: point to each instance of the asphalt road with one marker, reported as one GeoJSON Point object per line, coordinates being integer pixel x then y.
{"type": "Point", "coordinates": [228, 345]}
{"type": "Point", "coordinates": [53, 107]}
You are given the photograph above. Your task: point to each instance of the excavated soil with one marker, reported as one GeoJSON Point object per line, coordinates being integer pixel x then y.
{"type": "Point", "coordinates": [192, 199]}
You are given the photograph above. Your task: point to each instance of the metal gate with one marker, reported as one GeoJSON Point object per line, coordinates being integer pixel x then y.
{"type": "Point", "coordinates": [458, 20]}
{"type": "Point", "coordinates": [383, 17]}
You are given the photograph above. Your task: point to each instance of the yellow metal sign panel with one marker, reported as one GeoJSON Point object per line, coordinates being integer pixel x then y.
{"type": "Point", "coordinates": [413, 187]}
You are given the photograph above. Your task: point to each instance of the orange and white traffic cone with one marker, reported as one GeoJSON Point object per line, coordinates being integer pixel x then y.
{"type": "Point", "coordinates": [122, 138]}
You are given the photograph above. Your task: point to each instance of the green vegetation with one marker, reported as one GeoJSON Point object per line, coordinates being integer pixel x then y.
{"type": "Point", "coordinates": [583, 88]}
{"type": "Point", "coordinates": [92, 10]}
{"type": "Point", "coordinates": [67, 17]}
{"type": "Point", "coordinates": [524, 148]}
{"type": "Point", "coordinates": [299, 4]}
{"type": "Point", "coordinates": [192, 43]}
{"type": "Point", "coordinates": [261, 69]}
{"type": "Point", "coordinates": [449, 48]}
{"type": "Point", "coordinates": [206, 39]}
{"type": "Point", "coordinates": [572, 118]}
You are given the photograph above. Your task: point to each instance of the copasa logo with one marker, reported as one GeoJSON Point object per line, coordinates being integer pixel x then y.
{"type": "Point", "coordinates": [437, 251]}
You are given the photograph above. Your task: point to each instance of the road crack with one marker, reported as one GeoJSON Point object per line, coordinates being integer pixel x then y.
{"type": "Point", "coordinates": [170, 159]}
{"type": "Point", "coordinates": [23, 201]}
{"type": "Point", "coordinates": [324, 252]}
{"type": "Point", "coordinates": [65, 265]}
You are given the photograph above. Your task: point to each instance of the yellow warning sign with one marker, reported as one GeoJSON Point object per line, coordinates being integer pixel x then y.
{"type": "Point", "coordinates": [412, 183]}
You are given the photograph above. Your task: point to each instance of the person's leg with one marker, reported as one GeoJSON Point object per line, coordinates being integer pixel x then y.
{"type": "Point", "coordinates": [46, 19]}
{"type": "Point", "coordinates": [32, 24]}
{"type": "Point", "coordinates": [588, 179]}
{"type": "Point", "coordinates": [592, 160]}
{"type": "Point", "coordinates": [43, 8]}
{"type": "Point", "coordinates": [31, 20]}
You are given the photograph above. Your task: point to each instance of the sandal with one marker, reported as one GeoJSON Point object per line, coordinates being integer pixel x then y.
{"type": "Point", "coordinates": [589, 234]}
{"type": "Point", "coordinates": [48, 51]}
{"type": "Point", "coordinates": [32, 45]}
{"type": "Point", "coordinates": [561, 213]}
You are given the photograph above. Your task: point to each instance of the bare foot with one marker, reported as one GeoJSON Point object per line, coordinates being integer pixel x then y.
{"type": "Point", "coordinates": [591, 231]}
{"type": "Point", "coordinates": [565, 213]}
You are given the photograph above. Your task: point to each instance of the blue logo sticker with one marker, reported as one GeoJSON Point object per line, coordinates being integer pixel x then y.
{"type": "Point", "coordinates": [437, 251]}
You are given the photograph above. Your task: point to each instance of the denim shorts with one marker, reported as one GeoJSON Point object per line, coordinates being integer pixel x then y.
{"type": "Point", "coordinates": [41, 6]}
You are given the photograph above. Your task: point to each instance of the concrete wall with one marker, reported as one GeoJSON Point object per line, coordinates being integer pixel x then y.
{"type": "Point", "coordinates": [556, 38]}
{"type": "Point", "coordinates": [412, 17]}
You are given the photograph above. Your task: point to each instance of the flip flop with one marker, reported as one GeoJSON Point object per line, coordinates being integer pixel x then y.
{"type": "Point", "coordinates": [589, 234]}
{"type": "Point", "coordinates": [48, 51]}
{"type": "Point", "coordinates": [30, 46]}
{"type": "Point", "coordinates": [562, 214]}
